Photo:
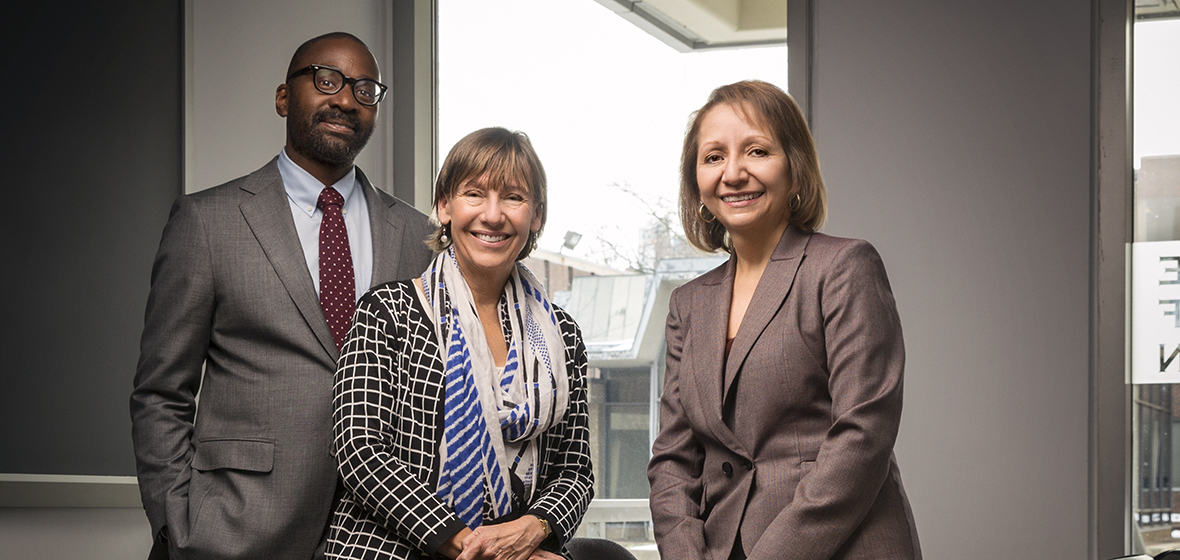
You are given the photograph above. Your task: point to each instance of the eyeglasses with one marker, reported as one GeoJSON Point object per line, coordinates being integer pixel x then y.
{"type": "Point", "coordinates": [330, 81]}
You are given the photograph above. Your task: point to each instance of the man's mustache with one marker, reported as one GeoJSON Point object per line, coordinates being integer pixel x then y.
{"type": "Point", "coordinates": [338, 116]}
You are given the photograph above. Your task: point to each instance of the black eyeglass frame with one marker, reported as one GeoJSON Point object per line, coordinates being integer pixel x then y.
{"type": "Point", "coordinates": [313, 68]}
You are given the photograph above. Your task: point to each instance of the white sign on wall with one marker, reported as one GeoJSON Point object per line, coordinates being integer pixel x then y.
{"type": "Point", "coordinates": [1155, 312]}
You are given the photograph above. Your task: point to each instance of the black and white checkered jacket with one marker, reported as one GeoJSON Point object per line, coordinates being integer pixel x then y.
{"type": "Point", "coordinates": [387, 425]}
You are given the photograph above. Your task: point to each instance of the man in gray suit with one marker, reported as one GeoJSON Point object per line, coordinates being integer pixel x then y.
{"type": "Point", "coordinates": [252, 290]}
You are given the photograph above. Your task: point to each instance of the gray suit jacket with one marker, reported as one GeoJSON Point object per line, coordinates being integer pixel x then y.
{"type": "Point", "coordinates": [790, 440]}
{"type": "Point", "coordinates": [250, 475]}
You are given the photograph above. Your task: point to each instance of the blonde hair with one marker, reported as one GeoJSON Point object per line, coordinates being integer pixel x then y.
{"type": "Point", "coordinates": [505, 157]}
{"type": "Point", "coordinates": [767, 106]}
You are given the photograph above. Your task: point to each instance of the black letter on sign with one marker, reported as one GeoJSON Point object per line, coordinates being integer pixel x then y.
{"type": "Point", "coordinates": [1174, 271]}
{"type": "Point", "coordinates": [1165, 363]}
{"type": "Point", "coordinates": [1174, 311]}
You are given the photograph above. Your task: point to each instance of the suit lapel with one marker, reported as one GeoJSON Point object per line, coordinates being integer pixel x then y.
{"type": "Point", "coordinates": [772, 291]}
{"type": "Point", "coordinates": [388, 235]}
{"type": "Point", "coordinates": [710, 305]}
{"type": "Point", "coordinates": [269, 216]}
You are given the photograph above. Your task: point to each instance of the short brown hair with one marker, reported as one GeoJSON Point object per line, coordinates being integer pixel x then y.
{"type": "Point", "coordinates": [505, 156]}
{"type": "Point", "coordinates": [767, 106]}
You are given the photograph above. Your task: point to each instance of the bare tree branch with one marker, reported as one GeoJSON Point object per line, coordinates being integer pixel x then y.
{"type": "Point", "coordinates": [661, 238]}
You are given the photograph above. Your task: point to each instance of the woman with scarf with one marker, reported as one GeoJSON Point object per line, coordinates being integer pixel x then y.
{"type": "Point", "coordinates": [460, 399]}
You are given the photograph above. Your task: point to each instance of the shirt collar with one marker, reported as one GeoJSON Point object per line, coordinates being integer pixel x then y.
{"type": "Point", "coordinates": [304, 190]}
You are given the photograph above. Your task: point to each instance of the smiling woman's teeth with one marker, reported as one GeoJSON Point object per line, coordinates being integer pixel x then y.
{"type": "Point", "coordinates": [491, 238]}
{"type": "Point", "coordinates": [740, 197]}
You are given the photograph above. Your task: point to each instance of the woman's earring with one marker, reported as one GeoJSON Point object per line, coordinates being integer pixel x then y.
{"type": "Point", "coordinates": [445, 237]}
{"type": "Point", "coordinates": [705, 214]}
{"type": "Point", "coordinates": [795, 202]}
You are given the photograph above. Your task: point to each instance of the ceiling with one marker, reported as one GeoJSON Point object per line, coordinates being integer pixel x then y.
{"type": "Point", "coordinates": [1156, 9]}
{"type": "Point", "coordinates": [695, 25]}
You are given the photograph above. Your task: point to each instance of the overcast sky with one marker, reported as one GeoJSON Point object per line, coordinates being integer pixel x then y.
{"type": "Point", "coordinates": [1157, 88]}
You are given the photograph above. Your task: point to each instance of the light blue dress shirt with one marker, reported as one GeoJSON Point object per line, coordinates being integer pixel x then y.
{"type": "Point", "coordinates": [303, 191]}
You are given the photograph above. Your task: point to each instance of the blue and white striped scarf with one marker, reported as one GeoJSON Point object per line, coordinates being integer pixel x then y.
{"type": "Point", "coordinates": [527, 398]}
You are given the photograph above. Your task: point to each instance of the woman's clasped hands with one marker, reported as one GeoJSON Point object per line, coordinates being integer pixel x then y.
{"type": "Point", "coordinates": [514, 540]}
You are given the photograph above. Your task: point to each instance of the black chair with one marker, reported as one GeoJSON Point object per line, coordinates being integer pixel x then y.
{"type": "Point", "coordinates": [584, 548]}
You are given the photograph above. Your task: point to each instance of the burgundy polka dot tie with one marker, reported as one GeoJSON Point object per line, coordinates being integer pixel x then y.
{"type": "Point", "coordinates": [337, 287]}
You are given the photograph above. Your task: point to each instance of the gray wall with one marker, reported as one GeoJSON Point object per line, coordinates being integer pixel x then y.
{"type": "Point", "coordinates": [87, 180]}
{"type": "Point", "coordinates": [74, 534]}
{"type": "Point", "coordinates": [238, 55]}
{"type": "Point", "coordinates": [956, 137]}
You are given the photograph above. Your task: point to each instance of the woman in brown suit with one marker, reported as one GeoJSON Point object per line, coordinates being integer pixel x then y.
{"type": "Point", "coordinates": [782, 395]}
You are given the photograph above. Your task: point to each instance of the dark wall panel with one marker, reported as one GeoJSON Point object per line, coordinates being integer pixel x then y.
{"type": "Point", "coordinates": [92, 160]}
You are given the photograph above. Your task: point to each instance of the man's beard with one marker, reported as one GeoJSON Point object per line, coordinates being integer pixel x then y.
{"type": "Point", "coordinates": [325, 147]}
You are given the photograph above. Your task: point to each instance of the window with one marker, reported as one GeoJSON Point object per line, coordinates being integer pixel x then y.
{"type": "Point", "coordinates": [604, 103]}
{"type": "Point", "coordinates": [605, 97]}
{"type": "Point", "coordinates": [1156, 250]}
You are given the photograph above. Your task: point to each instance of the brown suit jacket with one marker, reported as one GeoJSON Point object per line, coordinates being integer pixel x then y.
{"type": "Point", "coordinates": [790, 440]}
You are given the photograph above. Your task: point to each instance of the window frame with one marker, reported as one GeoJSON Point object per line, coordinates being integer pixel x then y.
{"type": "Point", "coordinates": [1110, 484]}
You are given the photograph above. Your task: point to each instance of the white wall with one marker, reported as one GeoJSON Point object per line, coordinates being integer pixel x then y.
{"type": "Point", "coordinates": [956, 137]}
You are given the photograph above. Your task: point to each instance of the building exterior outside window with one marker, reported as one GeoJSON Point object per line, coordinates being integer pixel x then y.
{"type": "Point", "coordinates": [605, 89]}
{"type": "Point", "coordinates": [1155, 280]}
